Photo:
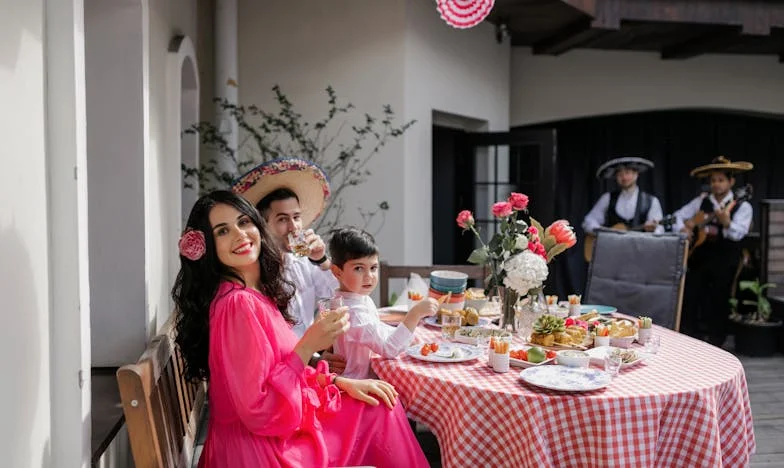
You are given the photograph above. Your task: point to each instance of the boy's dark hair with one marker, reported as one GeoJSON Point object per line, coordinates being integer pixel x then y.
{"type": "Point", "coordinates": [282, 193]}
{"type": "Point", "coordinates": [350, 243]}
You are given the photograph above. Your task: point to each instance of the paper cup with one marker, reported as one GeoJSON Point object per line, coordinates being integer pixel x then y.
{"type": "Point", "coordinates": [501, 362]}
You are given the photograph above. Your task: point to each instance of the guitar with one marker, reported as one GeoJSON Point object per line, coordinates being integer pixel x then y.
{"type": "Point", "coordinates": [667, 222]}
{"type": "Point", "coordinates": [701, 231]}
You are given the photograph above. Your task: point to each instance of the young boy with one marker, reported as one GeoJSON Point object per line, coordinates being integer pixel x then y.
{"type": "Point", "coordinates": [355, 265]}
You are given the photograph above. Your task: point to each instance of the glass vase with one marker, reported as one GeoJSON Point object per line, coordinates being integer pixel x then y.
{"type": "Point", "coordinates": [509, 298]}
{"type": "Point", "coordinates": [528, 310]}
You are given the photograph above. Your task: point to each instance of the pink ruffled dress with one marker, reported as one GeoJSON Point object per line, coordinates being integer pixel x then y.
{"type": "Point", "coordinates": [267, 409]}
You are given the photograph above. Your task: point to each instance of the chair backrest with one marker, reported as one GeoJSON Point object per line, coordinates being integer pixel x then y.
{"type": "Point", "coordinates": [161, 406]}
{"type": "Point", "coordinates": [640, 274]}
{"type": "Point", "coordinates": [772, 245]}
{"type": "Point", "coordinates": [474, 272]}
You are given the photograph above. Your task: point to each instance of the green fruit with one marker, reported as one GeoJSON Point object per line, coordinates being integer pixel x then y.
{"type": "Point", "coordinates": [536, 355]}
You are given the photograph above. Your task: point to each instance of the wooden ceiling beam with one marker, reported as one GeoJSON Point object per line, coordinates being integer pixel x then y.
{"type": "Point", "coordinates": [577, 34]}
{"type": "Point", "coordinates": [754, 17]}
{"type": "Point", "coordinates": [711, 41]}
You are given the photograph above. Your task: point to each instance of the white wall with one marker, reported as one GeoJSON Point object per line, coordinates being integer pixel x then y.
{"type": "Point", "coordinates": [162, 214]}
{"type": "Point", "coordinates": [116, 53]}
{"type": "Point", "coordinates": [589, 82]}
{"type": "Point", "coordinates": [357, 46]}
{"type": "Point", "coordinates": [462, 72]}
{"type": "Point", "coordinates": [378, 52]}
{"type": "Point", "coordinates": [24, 271]}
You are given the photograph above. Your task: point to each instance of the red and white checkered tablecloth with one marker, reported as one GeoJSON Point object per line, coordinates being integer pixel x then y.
{"type": "Point", "coordinates": [687, 407]}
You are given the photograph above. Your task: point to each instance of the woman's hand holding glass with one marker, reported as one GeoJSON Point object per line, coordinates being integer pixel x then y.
{"type": "Point", "coordinates": [321, 335]}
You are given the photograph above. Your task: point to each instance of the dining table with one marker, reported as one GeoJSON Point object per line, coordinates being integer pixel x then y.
{"type": "Point", "coordinates": [688, 406]}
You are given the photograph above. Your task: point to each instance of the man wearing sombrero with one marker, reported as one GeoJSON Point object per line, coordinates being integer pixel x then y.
{"type": "Point", "coordinates": [713, 264]}
{"type": "Point", "coordinates": [628, 204]}
{"type": "Point", "coordinates": [290, 194]}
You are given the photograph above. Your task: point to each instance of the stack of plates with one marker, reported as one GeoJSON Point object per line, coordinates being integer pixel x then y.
{"type": "Point", "coordinates": [443, 282]}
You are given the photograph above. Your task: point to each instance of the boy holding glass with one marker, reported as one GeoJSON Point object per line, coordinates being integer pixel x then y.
{"type": "Point", "coordinates": [355, 265]}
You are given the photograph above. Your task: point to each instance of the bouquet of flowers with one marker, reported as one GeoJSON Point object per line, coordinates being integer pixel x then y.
{"type": "Point", "coordinates": [519, 253]}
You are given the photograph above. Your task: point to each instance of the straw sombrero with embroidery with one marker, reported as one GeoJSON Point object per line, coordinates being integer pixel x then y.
{"type": "Point", "coordinates": [721, 164]}
{"type": "Point", "coordinates": [304, 178]}
{"type": "Point", "coordinates": [607, 170]}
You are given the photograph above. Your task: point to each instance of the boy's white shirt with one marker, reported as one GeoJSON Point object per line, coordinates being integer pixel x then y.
{"type": "Point", "coordinates": [367, 334]}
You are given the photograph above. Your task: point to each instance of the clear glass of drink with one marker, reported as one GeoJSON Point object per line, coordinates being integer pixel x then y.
{"type": "Point", "coordinates": [298, 244]}
{"type": "Point", "coordinates": [331, 305]}
{"type": "Point", "coordinates": [612, 363]}
{"type": "Point", "coordinates": [449, 326]}
{"type": "Point", "coordinates": [652, 344]}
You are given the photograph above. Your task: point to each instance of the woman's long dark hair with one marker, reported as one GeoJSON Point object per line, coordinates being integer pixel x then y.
{"type": "Point", "coordinates": [198, 281]}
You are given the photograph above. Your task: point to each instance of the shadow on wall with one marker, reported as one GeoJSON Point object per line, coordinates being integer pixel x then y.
{"type": "Point", "coordinates": [20, 348]}
{"type": "Point", "coordinates": [25, 20]}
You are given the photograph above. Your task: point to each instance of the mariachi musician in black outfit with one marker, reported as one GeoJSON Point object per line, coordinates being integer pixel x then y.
{"type": "Point", "coordinates": [713, 263]}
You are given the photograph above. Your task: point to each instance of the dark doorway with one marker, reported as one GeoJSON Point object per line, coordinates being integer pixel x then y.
{"type": "Point", "coordinates": [473, 170]}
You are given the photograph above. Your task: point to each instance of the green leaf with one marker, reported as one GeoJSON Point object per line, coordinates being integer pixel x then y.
{"type": "Point", "coordinates": [479, 256]}
{"type": "Point", "coordinates": [538, 227]}
{"type": "Point", "coordinates": [555, 251]}
{"type": "Point", "coordinates": [549, 242]}
{"type": "Point", "coordinates": [747, 285]}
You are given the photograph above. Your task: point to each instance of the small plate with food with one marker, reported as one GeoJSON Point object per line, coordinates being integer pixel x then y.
{"type": "Point", "coordinates": [629, 357]}
{"type": "Point", "coordinates": [550, 331]}
{"type": "Point", "coordinates": [444, 352]}
{"type": "Point", "coordinates": [530, 356]}
{"type": "Point", "coordinates": [470, 335]}
{"type": "Point", "coordinates": [468, 318]}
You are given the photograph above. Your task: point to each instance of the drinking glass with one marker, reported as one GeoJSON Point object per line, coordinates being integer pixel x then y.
{"type": "Point", "coordinates": [331, 305]}
{"type": "Point", "coordinates": [298, 244]}
{"type": "Point", "coordinates": [612, 363]}
{"type": "Point", "coordinates": [652, 344]}
{"type": "Point", "coordinates": [449, 325]}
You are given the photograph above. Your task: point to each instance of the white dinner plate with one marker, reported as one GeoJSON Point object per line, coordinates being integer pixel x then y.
{"type": "Point", "coordinates": [445, 353]}
{"type": "Point", "coordinates": [433, 322]}
{"type": "Point", "coordinates": [567, 379]}
{"type": "Point", "coordinates": [597, 356]}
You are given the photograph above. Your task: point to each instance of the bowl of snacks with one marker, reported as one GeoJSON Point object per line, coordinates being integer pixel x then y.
{"type": "Point", "coordinates": [475, 297]}
{"type": "Point", "coordinates": [573, 358]}
{"type": "Point", "coordinates": [622, 333]}
{"type": "Point", "coordinates": [530, 356]}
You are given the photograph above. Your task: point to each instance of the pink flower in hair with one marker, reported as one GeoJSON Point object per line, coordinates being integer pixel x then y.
{"type": "Point", "coordinates": [192, 244]}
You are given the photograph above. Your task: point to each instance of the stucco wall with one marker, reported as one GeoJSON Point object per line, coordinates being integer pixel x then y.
{"type": "Point", "coordinates": [24, 271]}
{"type": "Point", "coordinates": [588, 82]}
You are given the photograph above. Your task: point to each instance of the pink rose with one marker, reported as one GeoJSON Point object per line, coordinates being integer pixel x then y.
{"type": "Point", "coordinates": [563, 232]}
{"type": "Point", "coordinates": [192, 245]}
{"type": "Point", "coordinates": [519, 201]}
{"type": "Point", "coordinates": [465, 219]}
{"type": "Point", "coordinates": [502, 209]}
{"type": "Point", "coordinates": [538, 248]}
{"type": "Point", "coordinates": [533, 231]}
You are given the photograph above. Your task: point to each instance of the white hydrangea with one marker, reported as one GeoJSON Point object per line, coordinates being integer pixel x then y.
{"type": "Point", "coordinates": [525, 271]}
{"type": "Point", "coordinates": [521, 242]}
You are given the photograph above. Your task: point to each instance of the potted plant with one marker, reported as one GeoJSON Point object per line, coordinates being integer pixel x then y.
{"type": "Point", "coordinates": [755, 333]}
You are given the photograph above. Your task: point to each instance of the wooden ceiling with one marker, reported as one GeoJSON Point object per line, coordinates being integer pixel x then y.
{"type": "Point", "coordinates": [677, 29]}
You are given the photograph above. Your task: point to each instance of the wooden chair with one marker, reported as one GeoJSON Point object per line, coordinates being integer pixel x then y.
{"type": "Point", "coordinates": [162, 408]}
{"type": "Point", "coordinates": [475, 272]}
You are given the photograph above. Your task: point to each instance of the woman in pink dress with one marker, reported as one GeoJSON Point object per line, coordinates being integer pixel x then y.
{"type": "Point", "coordinates": [267, 408]}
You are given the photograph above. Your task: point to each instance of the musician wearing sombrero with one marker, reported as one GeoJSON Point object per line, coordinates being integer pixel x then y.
{"type": "Point", "coordinates": [290, 194]}
{"type": "Point", "coordinates": [627, 205]}
{"type": "Point", "coordinates": [712, 264]}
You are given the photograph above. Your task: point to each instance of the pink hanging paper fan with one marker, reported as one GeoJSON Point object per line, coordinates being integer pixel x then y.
{"type": "Point", "coordinates": [464, 13]}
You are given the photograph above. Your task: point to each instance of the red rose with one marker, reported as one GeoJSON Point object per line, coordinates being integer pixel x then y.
{"type": "Point", "coordinates": [537, 248]}
{"type": "Point", "coordinates": [533, 231]}
{"type": "Point", "coordinates": [192, 245]}
{"type": "Point", "coordinates": [563, 232]}
{"type": "Point", "coordinates": [502, 209]}
{"type": "Point", "coordinates": [465, 219]}
{"type": "Point", "coordinates": [518, 201]}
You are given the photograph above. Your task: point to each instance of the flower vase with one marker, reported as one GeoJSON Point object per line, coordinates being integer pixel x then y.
{"type": "Point", "coordinates": [531, 308]}
{"type": "Point", "coordinates": [509, 300]}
